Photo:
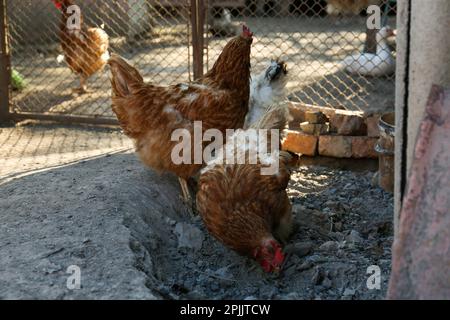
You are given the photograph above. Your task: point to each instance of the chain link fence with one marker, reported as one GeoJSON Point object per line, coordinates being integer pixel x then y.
{"type": "Point", "coordinates": [153, 35]}
{"type": "Point", "coordinates": [157, 36]}
{"type": "Point", "coordinates": [314, 38]}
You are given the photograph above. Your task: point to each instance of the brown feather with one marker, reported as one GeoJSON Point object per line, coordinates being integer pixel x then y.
{"type": "Point", "coordinates": [149, 114]}
{"type": "Point", "coordinates": [84, 50]}
{"type": "Point", "coordinates": [240, 206]}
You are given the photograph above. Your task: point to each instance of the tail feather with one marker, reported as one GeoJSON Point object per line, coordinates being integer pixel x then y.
{"type": "Point", "coordinates": [125, 78]}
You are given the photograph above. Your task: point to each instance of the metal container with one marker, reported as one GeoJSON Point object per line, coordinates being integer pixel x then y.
{"type": "Point", "coordinates": [386, 150]}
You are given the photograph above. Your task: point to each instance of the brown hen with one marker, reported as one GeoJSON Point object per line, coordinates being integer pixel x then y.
{"type": "Point", "coordinates": [149, 114]}
{"type": "Point", "coordinates": [245, 209]}
{"type": "Point", "coordinates": [85, 49]}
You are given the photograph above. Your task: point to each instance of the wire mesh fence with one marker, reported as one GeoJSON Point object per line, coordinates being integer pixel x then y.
{"type": "Point", "coordinates": [153, 35]}
{"type": "Point", "coordinates": [157, 36]}
{"type": "Point", "coordinates": [314, 38]}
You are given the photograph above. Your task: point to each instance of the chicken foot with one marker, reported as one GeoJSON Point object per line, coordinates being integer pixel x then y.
{"type": "Point", "coordinates": [83, 87]}
{"type": "Point", "coordinates": [185, 191]}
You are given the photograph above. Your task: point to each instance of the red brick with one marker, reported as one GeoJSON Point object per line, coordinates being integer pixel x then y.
{"type": "Point", "coordinates": [348, 123]}
{"type": "Point", "coordinates": [314, 129]}
{"type": "Point", "coordinates": [315, 117]}
{"type": "Point", "coordinates": [335, 146]}
{"type": "Point", "coordinates": [301, 143]}
{"type": "Point", "coordinates": [364, 147]}
{"type": "Point", "coordinates": [372, 126]}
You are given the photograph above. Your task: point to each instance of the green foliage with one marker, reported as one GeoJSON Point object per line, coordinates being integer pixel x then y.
{"type": "Point", "coordinates": [17, 81]}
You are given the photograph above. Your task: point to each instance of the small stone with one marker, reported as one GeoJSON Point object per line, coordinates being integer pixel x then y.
{"type": "Point", "coordinates": [315, 129]}
{"type": "Point", "coordinates": [291, 296]}
{"type": "Point", "coordinates": [315, 117]}
{"type": "Point", "coordinates": [250, 298]}
{"type": "Point", "coordinates": [327, 283]}
{"type": "Point", "coordinates": [349, 292]}
{"type": "Point", "coordinates": [214, 287]}
{"type": "Point", "coordinates": [289, 272]}
{"type": "Point", "coordinates": [51, 268]}
{"type": "Point", "coordinates": [354, 237]}
{"type": "Point", "coordinates": [189, 236]}
{"type": "Point", "coordinates": [318, 276]}
{"type": "Point", "coordinates": [201, 263]}
{"type": "Point", "coordinates": [300, 249]}
{"type": "Point", "coordinates": [267, 292]}
{"type": "Point", "coordinates": [298, 208]}
{"type": "Point", "coordinates": [196, 295]}
{"type": "Point", "coordinates": [299, 142]}
{"type": "Point", "coordinates": [304, 266]}
{"type": "Point", "coordinates": [329, 246]}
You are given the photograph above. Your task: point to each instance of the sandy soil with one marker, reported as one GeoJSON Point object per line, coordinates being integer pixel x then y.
{"type": "Point", "coordinates": [30, 146]}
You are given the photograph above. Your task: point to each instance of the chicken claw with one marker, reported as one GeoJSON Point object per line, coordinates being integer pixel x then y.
{"type": "Point", "coordinates": [187, 198]}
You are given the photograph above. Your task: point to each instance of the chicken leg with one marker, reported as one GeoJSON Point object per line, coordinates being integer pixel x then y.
{"type": "Point", "coordinates": [83, 88]}
{"type": "Point", "coordinates": [185, 190]}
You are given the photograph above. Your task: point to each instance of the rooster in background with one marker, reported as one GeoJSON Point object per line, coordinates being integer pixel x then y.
{"type": "Point", "coordinates": [247, 211]}
{"type": "Point", "coordinates": [349, 7]}
{"type": "Point", "coordinates": [266, 89]}
{"type": "Point", "coordinates": [85, 49]}
{"type": "Point", "coordinates": [149, 114]}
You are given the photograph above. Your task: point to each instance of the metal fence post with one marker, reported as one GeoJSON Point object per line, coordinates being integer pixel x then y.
{"type": "Point", "coordinates": [197, 22]}
{"type": "Point", "coordinates": [5, 65]}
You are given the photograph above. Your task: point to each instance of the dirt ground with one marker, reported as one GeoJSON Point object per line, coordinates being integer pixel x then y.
{"type": "Point", "coordinates": [312, 47]}
{"type": "Point", "coordinates": [30, 147]}
{"type": "Point", "coordinates": [79, 196]}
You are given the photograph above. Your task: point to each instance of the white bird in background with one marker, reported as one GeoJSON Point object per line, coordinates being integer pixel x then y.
{"type": "Point", "coordinates": [382, 63]}
{"type": "Point", "coordinates": [266, 89]}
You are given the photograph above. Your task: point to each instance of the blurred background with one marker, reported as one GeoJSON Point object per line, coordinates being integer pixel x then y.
{"type": "Point", "coordinates": [176, 41]}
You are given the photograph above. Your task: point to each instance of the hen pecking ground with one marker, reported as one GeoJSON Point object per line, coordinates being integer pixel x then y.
{"type": "Point", "coordinates": [128, 231]}
{"type": "Point", "coordinates": [343, 225]}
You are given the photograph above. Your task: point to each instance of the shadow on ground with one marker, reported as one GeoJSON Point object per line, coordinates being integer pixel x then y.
{"type": "Point", "coordinates": [132, 237]}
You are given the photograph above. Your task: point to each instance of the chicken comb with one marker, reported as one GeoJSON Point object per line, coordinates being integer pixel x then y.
{"type": "Point", "coordinates": [58, 4]}
{"type": "Point", "coordinates": [246, 32]}
{"type": "Point", "coordinates": [279, 257]}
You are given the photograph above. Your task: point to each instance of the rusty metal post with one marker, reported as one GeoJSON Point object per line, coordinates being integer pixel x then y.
{"type": "Point", "coordinates": [5, 65]}
{"type": "Point", "coordinates": [197, 22]}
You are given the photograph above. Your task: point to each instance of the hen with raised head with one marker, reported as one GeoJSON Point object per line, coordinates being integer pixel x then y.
{"type": "Point", "coordinates": [266, 89]}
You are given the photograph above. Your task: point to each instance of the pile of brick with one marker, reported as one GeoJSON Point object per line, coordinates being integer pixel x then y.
{"type": "Point", "coordinates": [332, 133]}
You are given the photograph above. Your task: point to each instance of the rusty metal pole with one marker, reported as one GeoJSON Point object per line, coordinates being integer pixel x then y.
{"type": "Point", "coordinates": [5, 65]}
{"type": "Point", "coordinates": [197, 21]}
